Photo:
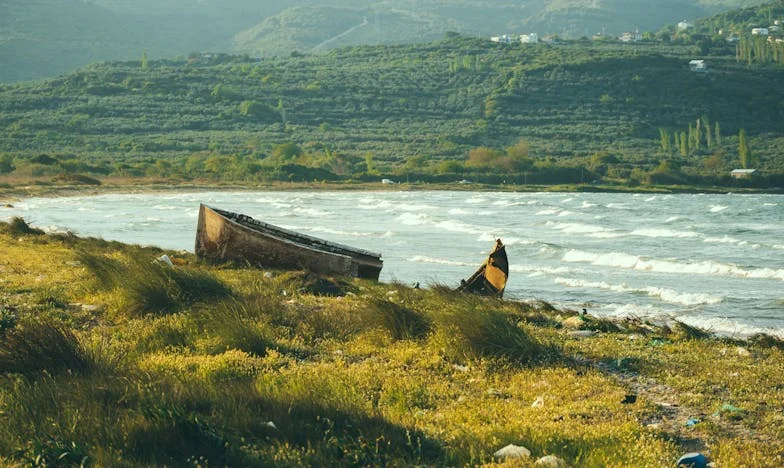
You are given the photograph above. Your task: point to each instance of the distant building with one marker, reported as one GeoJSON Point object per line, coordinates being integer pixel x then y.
{"type": "Point", "coordinates": [684, 25]}
{"type": "Point", "coordinates": [532, 38]}
{"type": "Point", "coordinates": [759, 32]}
{"type": "Point", "coordinates": [743, 173]}
{"type": "Point", "coordinates": [774, 28]}
{"type": "Point", "coordinates": [733, 39]}
{"type": "Point", "coordinates": [505, 39]}
{"type": "Point", "coordinates": [698, 66]}
{"type": "Point", "coordinates": [635, 36]}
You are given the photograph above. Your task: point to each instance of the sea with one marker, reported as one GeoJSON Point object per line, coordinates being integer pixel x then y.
{"type": "Point", "coordinates": [715, 261]}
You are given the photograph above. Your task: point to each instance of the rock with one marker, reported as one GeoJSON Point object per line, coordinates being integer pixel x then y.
{"type": "Point", "coordinates": [512, 451]}
{"type": "Point", "coordinates": [573, 322]}
{"type": "Point", "coordinates": [268, 275]}
{"type": "Point", "coordinates": [551, 461]}
{"type": "Point", "coordinates": [581, 333]}
{"type": "Point", "coordinates": [694, 460]}
{"type": "Point", "coordinates": [742, 352]}
{"type": "Point", "coordinates": [8, 205]}
{"type": "Point", "coordinates": [92, 308]}
{"type": "Point", "coordinates": [460, 368]}
{"type": "Point", "coordinates": [164, 259]}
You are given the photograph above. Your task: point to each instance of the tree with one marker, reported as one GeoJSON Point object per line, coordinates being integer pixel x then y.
{"type": "Point", "coordinates": [664, 137]}
{"type": "Point", "coordinates": [744, 152]}
{"type": "Point", "coordinates": [684, 146]}
{"type": "Point", "coordinates": [144, 63]}
{"type": "Point", "coordinates": [7, 164]}
{"type": "Point", "coordinates": [717, 133]}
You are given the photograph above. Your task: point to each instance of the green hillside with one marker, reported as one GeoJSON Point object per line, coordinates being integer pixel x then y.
{"type": "Point", "coordinates": [43, 38]}
{"type": "Point", "coordinates": [409, 107]}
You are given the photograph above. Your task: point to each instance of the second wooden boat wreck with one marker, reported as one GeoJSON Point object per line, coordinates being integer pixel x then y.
{"type": "Point", "coordinates": [490, 278]}
{"type": "Point", "coordinates": [225, 236]}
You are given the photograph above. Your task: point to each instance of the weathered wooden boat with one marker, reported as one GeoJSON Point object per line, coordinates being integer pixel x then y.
{"type": "Point", "coordinates": [490, 278]}
{"type": "Point", "coordinates": [223, 236]}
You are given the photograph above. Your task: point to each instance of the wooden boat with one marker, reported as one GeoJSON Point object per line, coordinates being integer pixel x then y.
{"type": "Point", "coordinates": [225, 236]}
{"type": "Point", "coordinates": [490, 278]}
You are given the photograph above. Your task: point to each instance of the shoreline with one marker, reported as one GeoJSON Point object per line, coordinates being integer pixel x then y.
{"type": "Point", "coordinates": [10, 192]}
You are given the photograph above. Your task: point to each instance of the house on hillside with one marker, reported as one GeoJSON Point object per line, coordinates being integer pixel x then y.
{"type": "Point", "coordinates": [504, 39]}
{"type": "Point", "coordinates": [635, 36]}
{"type": "Point", "coordinates": [759, 32]}
{"type": "Point", "coordinates": [698, 66]}
{"type": "Point", "coordinates": [743, 173]}
{"type": "Point", "coordinates": [532, 38]}
{"type": "Point", "coordinates": [684, 25]}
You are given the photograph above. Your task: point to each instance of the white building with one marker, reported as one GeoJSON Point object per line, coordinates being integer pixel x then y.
{"type": "Point", "coordinates": [532, 38]}
{"type": "Point", "coordinates": [684, 25]}
{"type": "Point", "coordinates": [743, 173]}
{"type": "Point", "coordinates": [505, 39]}
{"type": "Point", "coordinates": [635, 36]}
{"type": "Point", "coordinates": [759, 32]}
{"type": "Point", "coordinates": [698, 66]}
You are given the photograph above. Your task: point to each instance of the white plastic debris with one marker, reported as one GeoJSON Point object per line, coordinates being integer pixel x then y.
{"type": "Point", "coordinates": [165, 260]}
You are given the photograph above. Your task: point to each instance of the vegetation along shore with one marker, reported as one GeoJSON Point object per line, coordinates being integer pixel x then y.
{"type": "Point", "coordinates": [108, 358]}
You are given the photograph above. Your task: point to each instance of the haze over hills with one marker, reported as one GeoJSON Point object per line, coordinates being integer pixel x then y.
{"type": "Point", "coordinates": [40, 38]}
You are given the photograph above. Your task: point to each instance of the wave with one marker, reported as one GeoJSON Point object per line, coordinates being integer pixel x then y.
{"type": "Point", "coordinates": [439, 261]}
{"type": "Point", "coordinates": [338, 232]}
{"type": "Point", "coordinates": [665, 294]}
{"type": "Point", "coordinates": [654, 232]}
{"type": "Point", "coordinates": [718, 208]}
{"type": "Point", "coordinates": [548, 211]}
{"type": "Point", "coordinates": [634, 262]}
{"type": "Point", "coordinates": [580, 228]}
{"type": "Point", "coordinates": [413, 219]}
{"type": "Point", "coordinates": [457, 226]}
{"type": "Point", "coordinates": [313, 212]}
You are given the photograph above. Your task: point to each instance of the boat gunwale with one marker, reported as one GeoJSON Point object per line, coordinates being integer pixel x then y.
{"type": "Point", "coordinates": [270, 230]}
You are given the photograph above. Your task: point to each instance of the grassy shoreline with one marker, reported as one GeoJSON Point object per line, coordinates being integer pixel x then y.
{"type": "Point", "coordinates": [226, 365]}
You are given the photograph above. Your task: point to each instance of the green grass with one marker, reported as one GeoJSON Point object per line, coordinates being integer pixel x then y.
{"type": "Point", "coordinates": [260, 370]}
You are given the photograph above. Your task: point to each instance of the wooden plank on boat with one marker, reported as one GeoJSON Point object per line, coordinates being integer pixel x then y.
{"type": "Point", "coordinates": [490, 278]}
{"type": "Point", "coordinates": [223, 236]}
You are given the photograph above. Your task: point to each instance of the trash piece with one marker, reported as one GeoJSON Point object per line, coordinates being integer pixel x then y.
{"type": "Point", "coordinates": [512, 451]}
{"type": "Point", "coordinates": [742, 352]}
{"type": "Point", "coordinates": [165, 260]}
{"type": "Point", "coordinates": [271, 424]}
{"type": "Point", "coordinates": [538, 403]}
{"type": "Point", "coordinates": [691, 422]}
{"type": "Point", "coordinates": [629, 399]}
{"type": "Point", "coordinates": [694, 460]}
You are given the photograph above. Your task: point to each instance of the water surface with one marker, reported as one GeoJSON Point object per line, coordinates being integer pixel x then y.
{"type": "Point", "coordinates": [715, 261]}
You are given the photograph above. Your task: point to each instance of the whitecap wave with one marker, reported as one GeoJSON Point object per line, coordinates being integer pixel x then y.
{"type": "Point", "coordinates": [654, 232]}
{"type": "Point", "coordinates": [439, 261]}
{"type": "Point", "coordinates": [457, 226]}
{"type": "Point", "coordinates": [413, 219]}
{"type": "Point", "coordinates": [548, 211]}
{"type": "Point", "coordinates": [634, 262]}
{"type": "Point", "coordinates": [665, 294]}
{"type": "Point", "coordinates": [718, 208]}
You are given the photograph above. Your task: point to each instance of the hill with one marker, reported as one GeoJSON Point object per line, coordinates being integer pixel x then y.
{"type": "Point", "coordinates": [417, 104]}
{"type": "Point", "coordinates": [43, 38]}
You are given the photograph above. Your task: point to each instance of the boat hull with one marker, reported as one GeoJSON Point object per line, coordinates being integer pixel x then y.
{"type": "Point", "coordinates": [490, 278]}
{"type": "Point", "coordinates": [223, 236]}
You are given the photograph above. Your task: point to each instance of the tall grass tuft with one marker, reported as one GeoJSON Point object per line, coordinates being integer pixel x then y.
{"type": "Point", "coordinates": [401, 322]}
{"type": "Point", "coordinates": [19, 227]}
{"type": "Point", "coordinates": [151, 288]}
{"type": "Point", "coordinates": [238, 325]}
{"type": "Point", "coordinates": [39, 346]}
{"type": "Point", "coordinates": [472, 327]}
{"type": "Point", "coordinates": [683, 331]}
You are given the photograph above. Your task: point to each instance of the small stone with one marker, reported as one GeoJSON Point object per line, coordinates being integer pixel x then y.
{"type": "Point", "coordinates": [742, 352]}
{"type": "Point", "coordinates": [629, 399]}
{"type": "Point", "coordinates": [694, 460]}
{"type": "Point", "coordinates": [551, 461]}
{"type": "Point", "coordinates": [581, 333]}
{"type": "Point", "coordinates": [459, 367]}
{"type": "Point", "coordinates": [92, 308]}
{"type": "Point", "coordinates": [268, 275]}
{"type": "Point", "coordinates": [512, 451]}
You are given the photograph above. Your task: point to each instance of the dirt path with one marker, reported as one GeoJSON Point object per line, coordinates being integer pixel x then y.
{"type": "Point", "coordinates": [343, 34]}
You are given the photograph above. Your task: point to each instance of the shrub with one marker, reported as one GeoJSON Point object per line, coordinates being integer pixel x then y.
{"type": "Point", "coordinates": [39, 346]}
{"type": "Point", "coordinates": [471, 327]}
{"type": "Point", "coordinates": [19, 227]}
{"type": "Point", "coordinates": [401, 322]}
